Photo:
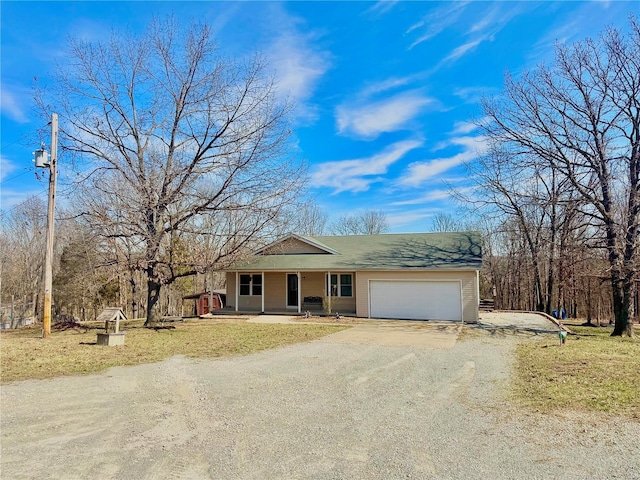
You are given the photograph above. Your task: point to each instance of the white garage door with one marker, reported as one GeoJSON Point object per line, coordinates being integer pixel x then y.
{"type": "Point", "coordinates": [415, 300]}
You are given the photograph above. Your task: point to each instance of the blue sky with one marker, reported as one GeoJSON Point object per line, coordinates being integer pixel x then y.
{"type": "Point", "coordinates": [385, 91]}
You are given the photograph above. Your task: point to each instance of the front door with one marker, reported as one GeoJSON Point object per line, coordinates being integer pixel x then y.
{"type": "Point", "coordinates": [292, 290]}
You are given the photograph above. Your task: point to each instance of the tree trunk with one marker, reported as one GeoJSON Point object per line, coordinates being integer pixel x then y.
{"type": "Point", "coordinates": [153, 295]}
{"type": "Point", "coordinates": [589, 302]}
{"type": "Point", "coordinates": [621, 307]}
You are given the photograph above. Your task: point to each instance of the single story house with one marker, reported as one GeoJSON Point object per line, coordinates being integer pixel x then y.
{"type": "Point", "coordinates": [421, 276]}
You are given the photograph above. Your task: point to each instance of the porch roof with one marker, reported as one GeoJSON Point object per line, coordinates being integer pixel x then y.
{"type": "Point", "coordinates": [460, 250]}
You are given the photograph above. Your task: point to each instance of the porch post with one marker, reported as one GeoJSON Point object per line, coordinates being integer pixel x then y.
{"type": "Point", "coordinates": [262, 273]}
{"type": "Point", "coordinates": [299, 292]}
{"type": "Point", "coordinates": [328, 287]}
{"type": "Point", "coordinates": [237, 290]}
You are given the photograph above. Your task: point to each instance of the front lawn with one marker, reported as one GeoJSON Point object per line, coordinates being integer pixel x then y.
{"type": "Point", "coordinates": [25, 355]}
{"type": "Point", "coordinates": [591, 372]}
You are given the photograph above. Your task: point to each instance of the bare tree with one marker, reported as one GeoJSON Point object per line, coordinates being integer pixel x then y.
{"type": "Point", "coordinates": [309, 219]}
{"type": "Point", "coordinates": [445, 222]}
{"type": "Point", "coordinates": [22, 241]}
{"type": "Point", "coordinates": [580, 117]}
{"type": "Point", "coordinates": [368, 222]}
{"type": "Point", "coordinates": [181, 155]}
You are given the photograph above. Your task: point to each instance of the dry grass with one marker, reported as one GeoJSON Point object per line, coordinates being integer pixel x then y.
{"type": "Point", "coordinates": [25, 355]}
{"type": "Point", "coordinates": [591, 372]}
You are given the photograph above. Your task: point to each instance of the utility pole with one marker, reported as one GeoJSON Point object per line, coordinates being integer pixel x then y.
{"type": "Point", "coordinates": [42, 162]}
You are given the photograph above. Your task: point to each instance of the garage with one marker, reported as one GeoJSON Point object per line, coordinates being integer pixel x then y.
{"type": "Point", "coordinates": [415, 300]}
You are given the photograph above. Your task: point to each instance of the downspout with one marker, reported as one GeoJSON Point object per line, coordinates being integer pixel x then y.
{"type": "Point", "coordinates": [237, 290]}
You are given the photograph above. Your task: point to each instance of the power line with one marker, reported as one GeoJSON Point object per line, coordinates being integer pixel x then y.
{"type": "Point", "coordinates": [14, 177]}
{"type": "Point", "coordinates": [13, 143]}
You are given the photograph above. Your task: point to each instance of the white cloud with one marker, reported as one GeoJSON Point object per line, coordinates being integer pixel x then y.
{"type": "Point", "coordinates": [437, 21]}
{"type": "Point", "coordinates": [357, 175]}
{"type": "Point", "coordinates": [298, 66]}
{"type": "Point", "coordinates": [297, 62]}
{"type": "Point", "coordinates": [12, 103]}
{"type": "Point", "coordinates": [421, 172]}
{"type": "Point", "coordinates": [486, 25]}
{"type": "Point", "coordinates": [464, 127]}
{"type": "Point", "coordinates": [434, 195]}
{"type": "Point", "coordinates": [388, 84]}
{"type": "Point", "coordinates": [388, 115]}
{"type": "Point", "coordinates": [6, 167]}
{"type": "Point", "coordinates": [10, 197]}
{"type": "Point", "coordinates": [382, 6]}
{"type": "Point", "coordinates": [473, 94]}
{"type": "Point", "coordinates": [408, 217]}
{"type": "Point", "coordinates": [463, 49]}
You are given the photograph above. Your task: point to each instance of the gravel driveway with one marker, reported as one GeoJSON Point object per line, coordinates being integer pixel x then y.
{"type": "Point", "coordinates": [333, 408]}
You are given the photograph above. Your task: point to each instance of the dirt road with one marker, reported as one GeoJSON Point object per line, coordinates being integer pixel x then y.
{"type": "Point", "coordinates": [328, 409]}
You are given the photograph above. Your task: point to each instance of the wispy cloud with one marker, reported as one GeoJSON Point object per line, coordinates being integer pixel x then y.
{"type": "Point", "coordinates": [409, 216]}
{"type": "Point", "coordinates": [368, 120]}
{"type": "Point", "coordinates": [464, 128]}
{"type": "Point", "coordinates": [463, 49]}
{"type": "Point", "coordinates": [13, 106]}
{"type": "Point", "coordinates": [381, 7]}
{"type": "Point", "coordinates": [357, 175]}
{"type": "Point", "coordinates": [6, 167]}
{"type": "Point", "coordinates": [10, 197]}
{"type": "Point", "coordinates": [435, 195]}
{"type": "Point", "coordinates": [486, 23]}
{"type": "Point", "coordinates": [436, 22]}
{"type": "Point", "coordinates": [420, 172]}
{"type": "Point", "coordinates": [298, 62]}
{"type": "Point", "coordinates": [389, 84]}
{"type": "Point", "coordinates": [473, 94]}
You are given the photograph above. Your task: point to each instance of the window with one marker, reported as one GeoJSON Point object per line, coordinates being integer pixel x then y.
{"type": "Point", "coordinates": [256, 287]}
{"type": "Point", "coordinates": [251, 284]}
{"type": "Point", "coordinates": [345, 285]}
{"type": "Point", "coordinates": [341, 285]}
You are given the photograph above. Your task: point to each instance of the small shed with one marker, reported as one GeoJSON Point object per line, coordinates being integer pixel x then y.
{"type": "Point", "coordinates": [205, 302]}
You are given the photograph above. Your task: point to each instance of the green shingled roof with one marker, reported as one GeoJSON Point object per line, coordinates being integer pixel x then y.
{"type": "Point", "coordinates": [460, 250]}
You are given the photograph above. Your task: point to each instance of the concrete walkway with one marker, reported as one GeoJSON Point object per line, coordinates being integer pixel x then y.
{"type": "Point", "coordinates": [400, 333]}
{"type": "Point", "coordinates": [274, 319]}
{"type": "Point", "coordinates": [531, 322]}
{"type": "Point", "coordinates": [423, 334]}
{"type": "Point", "coordinates": [384, 332]}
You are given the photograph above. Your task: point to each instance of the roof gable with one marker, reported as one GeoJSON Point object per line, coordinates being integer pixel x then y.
{"type": "Point", "coordinates": [295, 245]}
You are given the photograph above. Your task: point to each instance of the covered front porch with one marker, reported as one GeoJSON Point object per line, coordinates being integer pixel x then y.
{"type": "Point", "coordinates": [291, 292]}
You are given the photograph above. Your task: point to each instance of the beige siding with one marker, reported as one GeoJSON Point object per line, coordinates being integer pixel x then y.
{"type": "Point", "coordinates": [343, 305]}
{"type": "Point", "coordinates": [469, 288]}
{"type": "Point", "coordinates": [250, 303]}
{"type": "Point", "coordinates": [292, 246]}
{"type": "Point", "coordinates": [313, 284]}
{"type": "Point", "coordinates": [231, 290]}
{"type": "Point", "coordinates": [275, 292]}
